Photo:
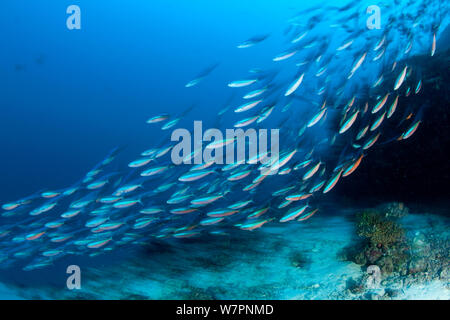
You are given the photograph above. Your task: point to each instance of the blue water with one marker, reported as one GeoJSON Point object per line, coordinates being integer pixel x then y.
{"type": "Point", "coordinates": [67, 97]}
{"type": "Point", "coordinates": [127, 63]}
{"type": "Point", "coordinates": [97, 84]}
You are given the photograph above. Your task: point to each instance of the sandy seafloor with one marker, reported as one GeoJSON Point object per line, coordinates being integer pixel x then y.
{"type": "Point", "coordinates": [300, 260]}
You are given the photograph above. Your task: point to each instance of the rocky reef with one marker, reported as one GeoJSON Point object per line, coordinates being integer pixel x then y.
{"type": "Point", "coordinates": [401, 258]}
{"type": "Point", "coordinates": [384, 242]}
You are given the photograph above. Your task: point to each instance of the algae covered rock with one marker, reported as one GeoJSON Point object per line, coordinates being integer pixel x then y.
{"type": "Point", "coordinates": [417, 265]}
{"type": "Point", "coordinates": [386, 265]}
{"type": "Point", "coordinates": [384, 242]}
{"type": "Point", "coordinates": [420, 245]}
{"type": "Point", "coordinates": [299, 260]}
{"type": "Point", "coordinates": [381, 232]}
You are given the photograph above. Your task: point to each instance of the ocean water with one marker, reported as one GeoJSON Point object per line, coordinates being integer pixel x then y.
{"type": "Point", "coordinates": [69, 97]}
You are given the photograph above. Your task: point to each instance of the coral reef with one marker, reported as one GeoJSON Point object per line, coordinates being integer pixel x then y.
{"type": "Point", "coordinates": [404, 259]}
{"type": "Point", "coordinates": [380, 231]}
{"type": "Point", "coordinates": [384, 242]}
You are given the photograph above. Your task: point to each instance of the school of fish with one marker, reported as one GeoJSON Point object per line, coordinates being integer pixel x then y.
{"type": "Point", "coordinates": [334, 110]}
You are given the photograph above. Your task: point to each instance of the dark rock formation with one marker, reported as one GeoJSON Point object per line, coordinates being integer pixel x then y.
{"type": "Point", "coordinates": [416, 169]}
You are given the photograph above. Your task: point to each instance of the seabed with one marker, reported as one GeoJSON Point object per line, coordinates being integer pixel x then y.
{"type": "Point", "coordinates": [300, 260]}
